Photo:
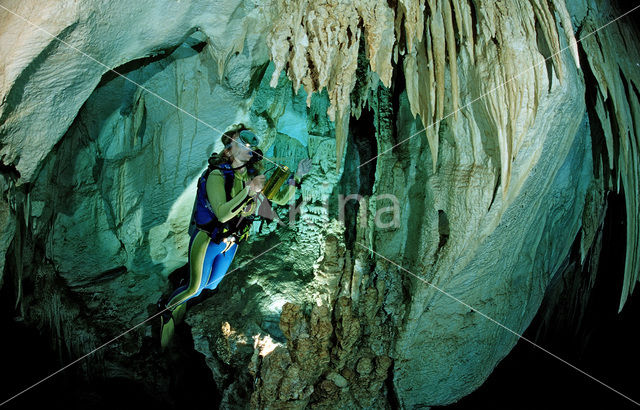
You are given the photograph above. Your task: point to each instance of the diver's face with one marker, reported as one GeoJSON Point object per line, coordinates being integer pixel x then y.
{"type": "Point", "coordinates": [241, 151]}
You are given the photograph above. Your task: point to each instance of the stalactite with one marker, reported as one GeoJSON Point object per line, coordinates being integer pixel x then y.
{"type": "Point", "coordinates": [464, 25]}
{"type": "Point", "coordinates": [431, 128]}
{"type": "Point", "coordinates": [547, 22]}
{"type": "Point", "coordinates": [493, 103]}
{"type": "Point", "coordinates": [428, 70]}
{"type": "Point", "coordinates": [398, 47]}
{"type": "Point", "coordinates": [514, 92]}
{"type": "Point", "coordinates": [317, 43]}
{"type": "Point", "coordinates": [424, 69]}
{"type": "Point", "coordinates": [419, 92]}
{"type": "Point", "coordinates": [342, 127]}
{"type": "Point", "coordinates": [413, 12]}
{"type": "Point", "coordinates": [565, 20]}
{"type": "Point", "coordinates": [439, 50]}
{"type": "Point", "coordinates": [451, 50]}
{"type": "Point", "coordinates": [377, 19]}
{"type": "Point", "coordinates": [417, 81]}
{"type": "Point", "coordinates": [612, 61]}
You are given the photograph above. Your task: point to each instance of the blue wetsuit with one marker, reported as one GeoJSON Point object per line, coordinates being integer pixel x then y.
{"type": "Point", "coordinates": [208, 266]}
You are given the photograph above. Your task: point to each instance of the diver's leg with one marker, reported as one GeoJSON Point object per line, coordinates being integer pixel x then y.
{"type": "Point", "coordinates": [201, 258]}
{"type": "Point", "coordinates": [179, 312]}
{"type": "Point", "coordinates": [181, 309]}
{"type": "Point", "coordinates": [213, 254]}
{"type": "Point", "coordinates": [220, 266]}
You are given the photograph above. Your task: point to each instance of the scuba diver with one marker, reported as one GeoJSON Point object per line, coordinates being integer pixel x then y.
{"type": "Point", "coordinates": [226, 202]}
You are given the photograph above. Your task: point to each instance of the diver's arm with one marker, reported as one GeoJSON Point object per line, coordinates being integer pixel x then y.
{"type": "Point", "coordinates": [282, 197]}
{"type": "Point", "coordinates": [217, 197]}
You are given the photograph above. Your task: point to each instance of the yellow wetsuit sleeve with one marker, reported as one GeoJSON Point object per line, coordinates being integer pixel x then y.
{"type": "Point", "coordinates": [283, 196]}
{"type": "Point", "coordinates": [217, 197]}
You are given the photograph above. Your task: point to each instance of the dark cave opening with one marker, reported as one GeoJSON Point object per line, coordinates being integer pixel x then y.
{"type": "Point", "coordinates": [176, 378]}
{"type": "Point", "coordinates": [356, 183]}
{"type": "Point", "coordinates": [443, 229]}
{"type": "Point", "coordinates": [361, 147]}
{"type": "Point", "coordinates": [27, 358]}
{"type": "Point", "coordinates": [529, 378]}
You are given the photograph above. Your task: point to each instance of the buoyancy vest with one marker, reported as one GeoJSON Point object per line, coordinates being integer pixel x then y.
{"type": "Point", "coordinates": [204, 218]}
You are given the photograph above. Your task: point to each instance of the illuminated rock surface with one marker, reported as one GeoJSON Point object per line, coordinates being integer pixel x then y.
{"type": "Point", "coordinates": [526, 131]}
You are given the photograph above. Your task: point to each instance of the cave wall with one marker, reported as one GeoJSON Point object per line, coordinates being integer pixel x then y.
{"type": "Point", "coordinates": [98, 182]}
{"type": "Point", "coordinates": [71, 66]}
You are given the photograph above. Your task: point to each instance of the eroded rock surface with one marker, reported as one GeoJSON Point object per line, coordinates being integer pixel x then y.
{"type": "Point", "coordinates": [327, 307]}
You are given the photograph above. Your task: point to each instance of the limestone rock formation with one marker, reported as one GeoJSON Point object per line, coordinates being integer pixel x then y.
{"type": "Point", "coordinates": [617, 101]}
{"type": "Point", "coordinates": [381, 285]}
